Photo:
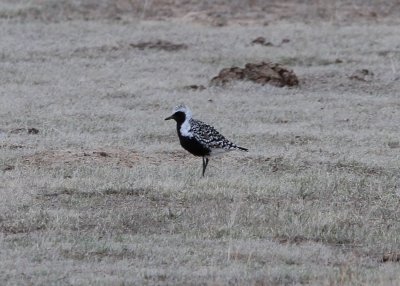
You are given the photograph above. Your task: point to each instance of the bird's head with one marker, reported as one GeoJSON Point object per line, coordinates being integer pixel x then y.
{"type": "Point", "coordinates": [180, 114]}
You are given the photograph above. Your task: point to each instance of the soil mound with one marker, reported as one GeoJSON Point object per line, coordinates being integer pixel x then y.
{"type": "Point", "coordinates": [262, 73]}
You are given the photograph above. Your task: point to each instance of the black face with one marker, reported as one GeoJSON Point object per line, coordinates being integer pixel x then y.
{"type": "Point", "coordinates": [179, 117]}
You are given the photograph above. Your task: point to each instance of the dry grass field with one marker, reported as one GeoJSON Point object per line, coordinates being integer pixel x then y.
{"type": "Point", "coordinates": [96, 190]}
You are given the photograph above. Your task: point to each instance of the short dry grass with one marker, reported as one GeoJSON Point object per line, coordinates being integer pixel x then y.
{"type": "Point", "coordinates": [104, 194]}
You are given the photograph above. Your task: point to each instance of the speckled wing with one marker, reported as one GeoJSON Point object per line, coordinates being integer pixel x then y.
{"type": "Point", "coordinates": [209, 137]}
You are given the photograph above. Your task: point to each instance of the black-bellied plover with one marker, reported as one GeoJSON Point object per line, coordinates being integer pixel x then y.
{"type": "Point", "coordinates": [199, 138]}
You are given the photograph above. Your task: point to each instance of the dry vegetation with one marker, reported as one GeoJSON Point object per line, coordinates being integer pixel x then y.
{"type": "Point", "coordinates": [95, 188]}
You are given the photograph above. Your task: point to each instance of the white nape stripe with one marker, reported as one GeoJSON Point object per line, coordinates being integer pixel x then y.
{"type": "Point", "coordinates": [184, 109]}
{"type": "Point", "coordinates": [185, 129]}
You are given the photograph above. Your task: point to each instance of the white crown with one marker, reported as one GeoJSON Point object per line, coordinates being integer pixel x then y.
{"type": "Point", "coordinates": [183, 108]}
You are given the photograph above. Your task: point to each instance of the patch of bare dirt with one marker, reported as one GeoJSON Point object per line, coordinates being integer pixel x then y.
{"type": "Point", "coordinates": [391, 257]}
{"type": "Point", "coordinates": [171, 156]}
{"type": "Point", "coordinates": [126, 158]}
{"type": "Point", "coordinates": [119, 157]}
{"type": "Point", "coordinates": [194, 87]}
{"type": "Point", "coordinates": [393, 144]}
{"type": "Point", "coordinates": [87, 51]}
{"type": "Point", "coordinates": [261, 73]}
{"type": "Point", "coordinates": [263, 42]}
{"type": "Point", "coordinates": [274, 164]}
{"type": "Point", "coordinates": [8, 168]}
{"type": "Point", "coordinates": [31, 130]}
{"type": "Point", "coordinates": [357, 167]}
{"type": "Point", "coordinates": [299, 239]}
{"type": "Point", "coordinates": [159, 45]}
{"type": "Point", "coordinates": [10, 223]}
{"type": "Point", "coordinates": [362, 75]}
{"type": "Point", "coordinates": [12, 146]}
{"type": "Point", "coordinates": [107, 192]}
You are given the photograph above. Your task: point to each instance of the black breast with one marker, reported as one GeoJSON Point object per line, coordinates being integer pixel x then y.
{"type": "Point", "coordinates": [193, 146]}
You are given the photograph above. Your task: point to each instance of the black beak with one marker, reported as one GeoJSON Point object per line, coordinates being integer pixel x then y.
{"type": "Point", "coordinates": [170, 117]}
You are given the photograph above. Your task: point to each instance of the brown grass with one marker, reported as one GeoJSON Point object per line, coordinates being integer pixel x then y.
{"type": "Point", "coordinates": [103, 194]}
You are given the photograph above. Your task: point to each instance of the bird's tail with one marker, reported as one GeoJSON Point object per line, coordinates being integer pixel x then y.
{"type": "Point", "coordinates": [242, 149]}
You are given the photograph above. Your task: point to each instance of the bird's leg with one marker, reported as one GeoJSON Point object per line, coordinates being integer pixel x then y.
{"type": "Point", "coordinates": [204, 166]}
{"type": "Point", "coordinates": [205, 163]}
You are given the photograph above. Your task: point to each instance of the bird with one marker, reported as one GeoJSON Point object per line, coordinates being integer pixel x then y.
{"type": "Point", "coordinates": [199, 138]}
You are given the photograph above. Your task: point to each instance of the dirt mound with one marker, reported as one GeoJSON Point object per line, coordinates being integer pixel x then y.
{"type": "Point", "coordinates": [261, 73]}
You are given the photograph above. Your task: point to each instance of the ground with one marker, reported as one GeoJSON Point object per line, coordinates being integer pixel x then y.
{"type": "Point", "coordinates": [95, 188]}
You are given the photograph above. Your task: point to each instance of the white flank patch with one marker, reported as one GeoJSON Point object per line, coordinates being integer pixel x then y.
{"type": "Point", "coordinates": [185, 129]}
